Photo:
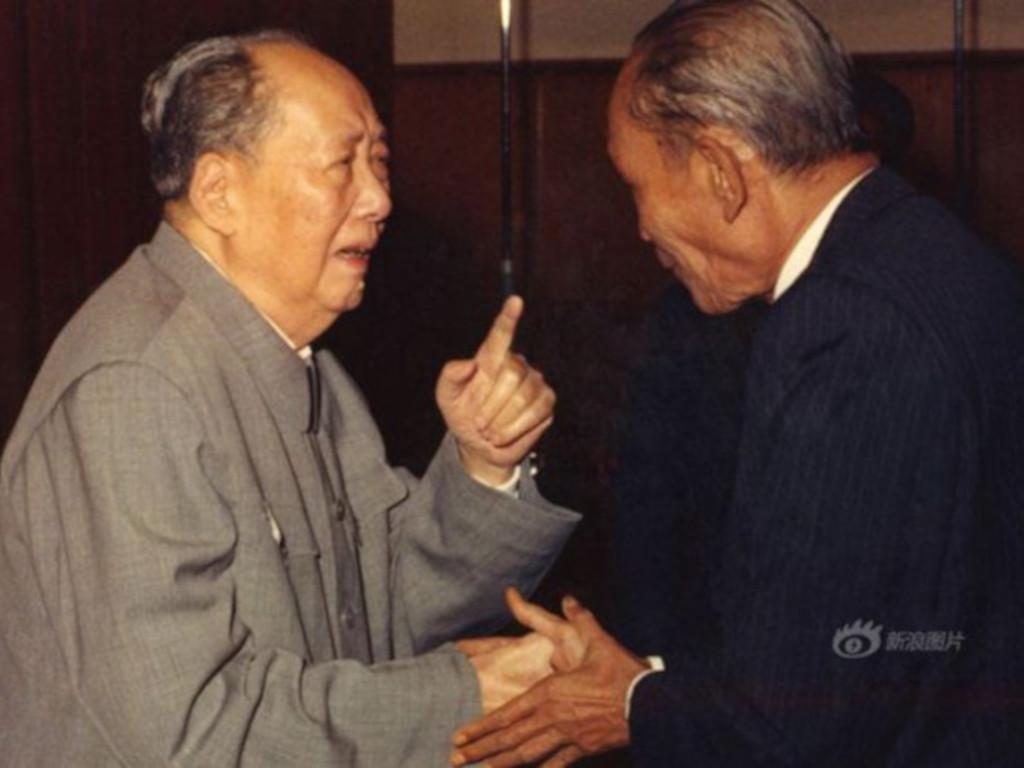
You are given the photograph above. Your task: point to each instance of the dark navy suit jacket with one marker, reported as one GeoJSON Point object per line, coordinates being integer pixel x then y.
{"type": "Point", "coordinates": [852, 591]}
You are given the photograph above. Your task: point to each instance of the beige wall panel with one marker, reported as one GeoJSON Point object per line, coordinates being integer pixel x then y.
{"type": "Point", "coordinates": [444, 31]}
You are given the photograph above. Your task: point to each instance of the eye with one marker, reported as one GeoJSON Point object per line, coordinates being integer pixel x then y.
{"type": "Point", "coordinates": [344, 162]}
{"type": "Point", "coordinates": [381, 165]}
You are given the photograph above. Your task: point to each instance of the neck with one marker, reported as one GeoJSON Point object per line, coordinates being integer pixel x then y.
{"type": "Point", "coordinates": [217, 249]}
{"type": "Point", "coordinates": [801, 196]}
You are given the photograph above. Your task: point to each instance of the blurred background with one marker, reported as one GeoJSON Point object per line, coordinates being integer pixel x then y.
{"type": "Point", "coordinates": [75, 199]}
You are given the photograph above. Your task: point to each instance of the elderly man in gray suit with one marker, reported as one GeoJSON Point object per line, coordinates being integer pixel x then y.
{"type": "Point", "coordinates": [205, 558]}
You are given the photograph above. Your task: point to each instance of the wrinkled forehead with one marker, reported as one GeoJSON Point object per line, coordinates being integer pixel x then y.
{"type": "Point", "coordinates": [622, 125]}
{"type": "Point", "coordinates": [622, 91]}
{"type": "Point", "coordinates": [304, 78]}
{"type": "Point", "coordinates": [618, 105]}
{"type": "Point", "coordinates": [626, 128]}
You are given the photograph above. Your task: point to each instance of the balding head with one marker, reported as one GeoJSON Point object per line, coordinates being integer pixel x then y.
{"type": "Point", "coordinates": [210, 96]}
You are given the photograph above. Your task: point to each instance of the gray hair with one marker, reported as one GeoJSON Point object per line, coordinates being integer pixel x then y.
{"type": "Point", "coordinates": [766, 69]}
{"type": "Point", "coordinates": [207, 97]}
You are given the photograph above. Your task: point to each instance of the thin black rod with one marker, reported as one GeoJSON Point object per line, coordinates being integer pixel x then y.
{"type": "Point", "coordinates": [507, 276]}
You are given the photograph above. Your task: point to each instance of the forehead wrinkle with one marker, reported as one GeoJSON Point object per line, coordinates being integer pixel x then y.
{"type": "Point", "coordinates": [358, 127]}
{"type": "Point", "coordinates": [311, 82]}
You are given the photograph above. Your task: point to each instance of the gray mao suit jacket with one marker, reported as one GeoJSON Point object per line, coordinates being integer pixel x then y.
{"type": "Point", "coordinates": [176, 574]}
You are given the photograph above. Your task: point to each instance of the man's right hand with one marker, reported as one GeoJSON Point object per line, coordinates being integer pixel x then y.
{"type": "Point", "coordinates": [496, 405]}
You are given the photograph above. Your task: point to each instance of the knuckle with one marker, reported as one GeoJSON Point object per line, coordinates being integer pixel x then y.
{"type": "Point", "coordinates": [571, 755]}
{"type": "Point", "coordinates": [522, 754]}
{"type": "Point", "coordinates": [515, 375]}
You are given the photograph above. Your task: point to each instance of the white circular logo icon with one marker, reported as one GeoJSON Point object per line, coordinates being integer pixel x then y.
{"type": "Point", "coordinates": [857, 640]}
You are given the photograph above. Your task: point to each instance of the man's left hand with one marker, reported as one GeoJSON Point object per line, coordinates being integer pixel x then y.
{"type": "Point", "coordinates": [496, 405]}
{"type": "Point", "coordinates": [565, 717]}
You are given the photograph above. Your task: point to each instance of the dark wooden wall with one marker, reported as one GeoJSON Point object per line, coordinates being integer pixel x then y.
{"type": "Point", "coordinates": [74, 193]}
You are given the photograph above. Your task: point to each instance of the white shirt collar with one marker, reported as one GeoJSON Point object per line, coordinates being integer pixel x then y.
{"type": "Point", "coordinates": [305, 352]}
{"type": "Point", "coordinates": [799, 259]}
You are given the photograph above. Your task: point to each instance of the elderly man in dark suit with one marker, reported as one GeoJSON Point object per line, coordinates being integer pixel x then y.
{"type": "Point", "coordinates": [861, 586]}
{"type": "Point", "coordinates": [205, 558]}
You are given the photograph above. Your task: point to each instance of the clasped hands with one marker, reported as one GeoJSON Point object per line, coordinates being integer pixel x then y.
{"type": "Point", "coordinates": [555, 695]}
{"type": "Point", "coordinates": [495, 405]}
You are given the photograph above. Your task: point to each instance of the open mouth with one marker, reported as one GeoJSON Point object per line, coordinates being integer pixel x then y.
{"type": "Point", "coordinates": [355, 254]}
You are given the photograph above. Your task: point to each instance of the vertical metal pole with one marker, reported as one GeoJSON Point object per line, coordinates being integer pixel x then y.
{"type": "Point", "coordinates": [959, 112]}
{"type": "Point", "coordinates": [507, 277]}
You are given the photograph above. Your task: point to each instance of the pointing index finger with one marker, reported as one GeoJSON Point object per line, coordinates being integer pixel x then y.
{"type": "Point", "coordinates": [499, 339]}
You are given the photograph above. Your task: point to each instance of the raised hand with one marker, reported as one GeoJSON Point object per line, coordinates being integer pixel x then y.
{"type": "Point", "coordinates": [566, 716]}
{"type": "Point", "coordinates": [496, 405]}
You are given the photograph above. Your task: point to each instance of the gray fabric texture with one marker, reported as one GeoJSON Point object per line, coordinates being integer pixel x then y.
{"type": "Point", "coordinates": [168, 568]}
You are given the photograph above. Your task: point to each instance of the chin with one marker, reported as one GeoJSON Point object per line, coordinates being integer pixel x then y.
{"type": "Point", "coordinates": [351, 302]}
{"type": "Point", "coordinates": [344, 298]}
{"type": "Point", "coordinates": [710, 304]}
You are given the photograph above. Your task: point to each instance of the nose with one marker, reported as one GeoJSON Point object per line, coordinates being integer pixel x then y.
{"type": "Point", "coordinates": [374, 201]}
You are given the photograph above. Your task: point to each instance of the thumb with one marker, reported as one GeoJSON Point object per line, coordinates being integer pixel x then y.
{"type": "Point", "coordinates": [534, 617]}
{"type": "Point", "coordinates": [581, 618]}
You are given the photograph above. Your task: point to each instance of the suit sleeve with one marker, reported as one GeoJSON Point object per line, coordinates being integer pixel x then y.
{"type": "Point", "coordinates": [134, 556]}
{"type": "Point", "coordinates": [458, 544]}
{"type": "Point", "coordinates": [851, 505]}
{"type": "Point", "coordinates": [453, 544]}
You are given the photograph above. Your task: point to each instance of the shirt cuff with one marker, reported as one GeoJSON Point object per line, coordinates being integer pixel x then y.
{"type": "Point", "coordinates": [657, 664]}
{"type": "Point", "coordinates": [510, 487]}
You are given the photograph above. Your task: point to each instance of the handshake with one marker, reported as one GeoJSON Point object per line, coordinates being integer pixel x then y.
{"type": "Point", "coordinates": [556, 695]}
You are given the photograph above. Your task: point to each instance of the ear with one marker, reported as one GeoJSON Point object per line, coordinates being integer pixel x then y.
{"type": "Point", "coordinates": [726, 174]}
{"type": "Point", "coordinates": [210, 192]}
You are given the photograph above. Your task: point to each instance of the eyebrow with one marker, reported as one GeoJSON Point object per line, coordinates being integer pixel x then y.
{"type": "Point", "coordinates": [358, 134]}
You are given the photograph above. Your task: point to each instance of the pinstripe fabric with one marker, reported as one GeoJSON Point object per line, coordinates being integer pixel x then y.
{"type": "Point", "coordinates": [676, 465]}
{"type": "Point", "coordinates": [880, 478]}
